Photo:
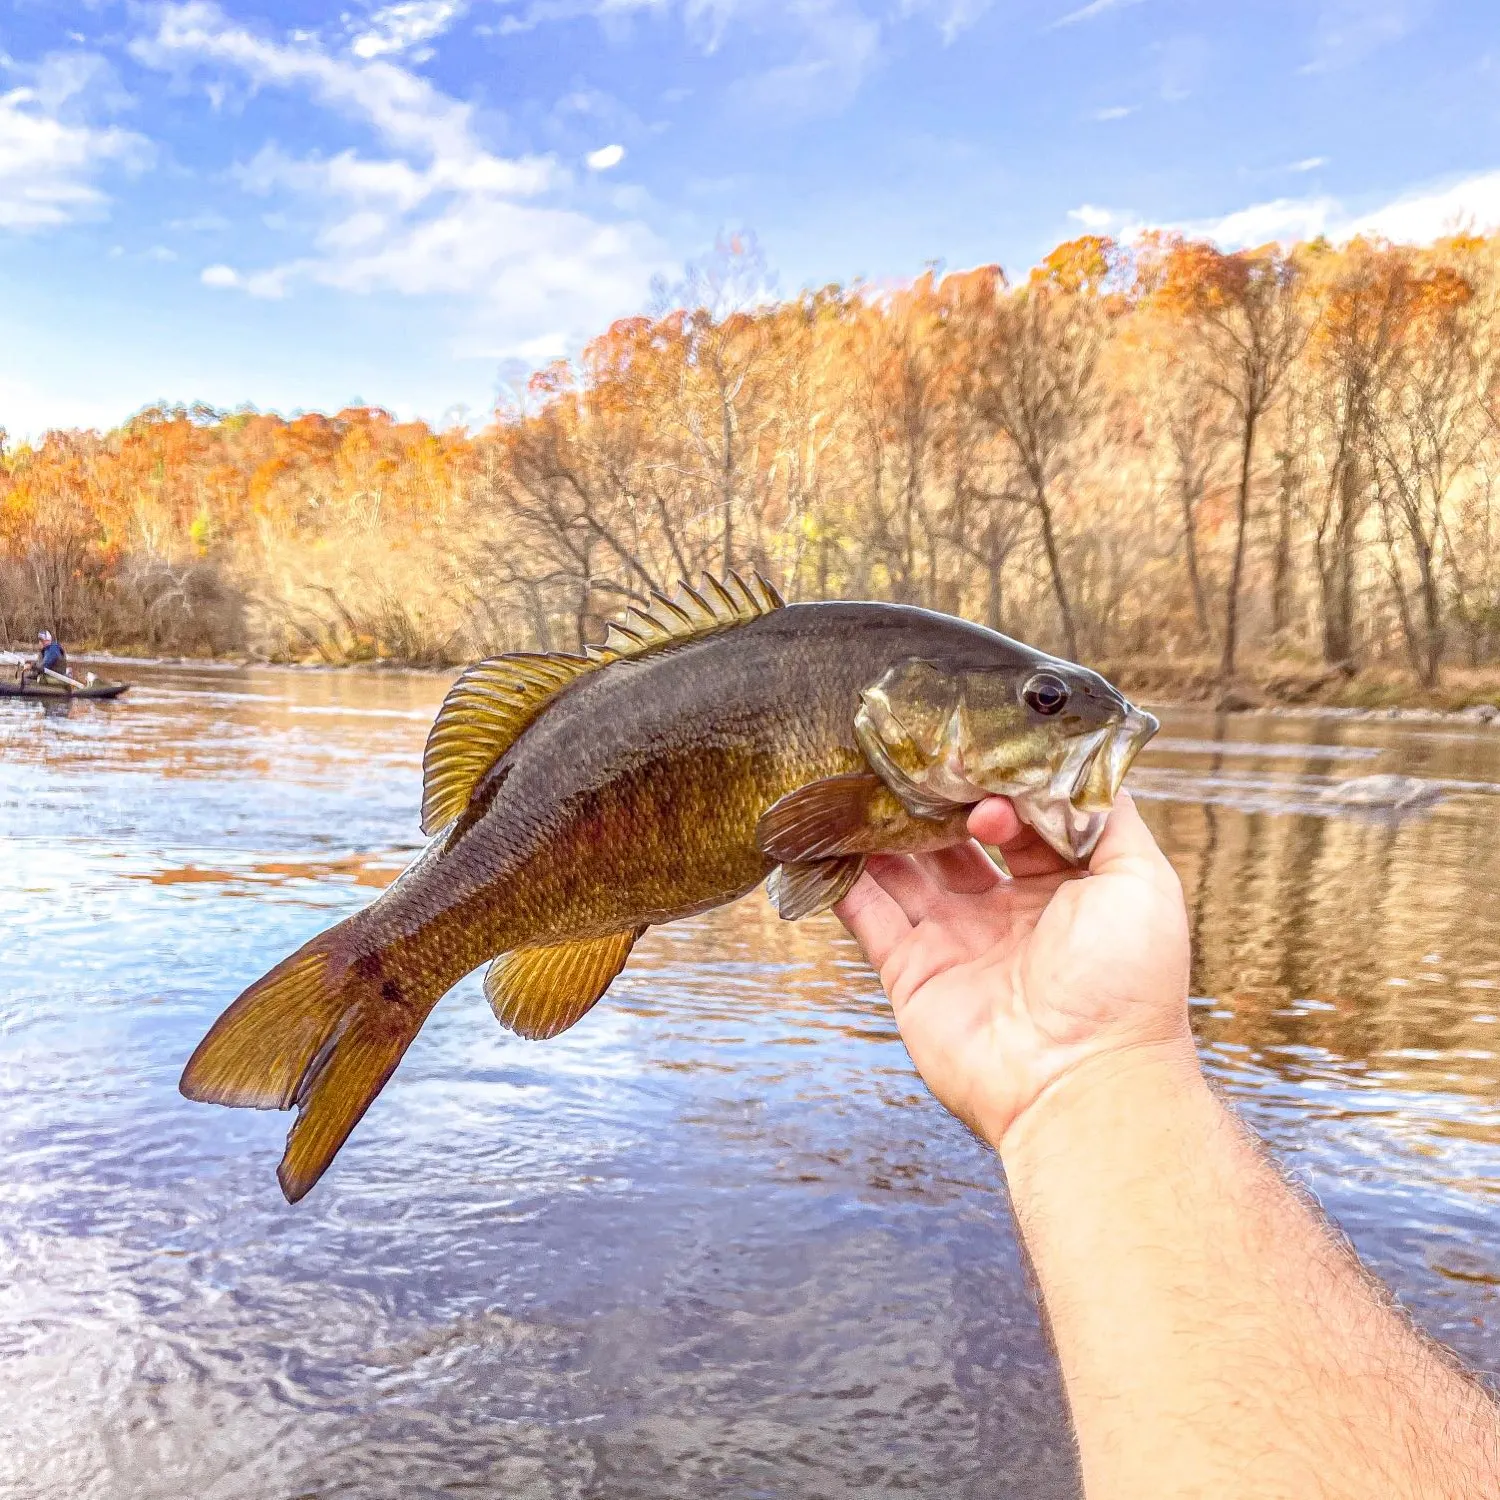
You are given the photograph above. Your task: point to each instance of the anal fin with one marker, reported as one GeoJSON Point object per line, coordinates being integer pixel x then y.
{"type": "Point", "coordinates": [801, 889]}
{"type": "Point", "coordinates": [539, 992]}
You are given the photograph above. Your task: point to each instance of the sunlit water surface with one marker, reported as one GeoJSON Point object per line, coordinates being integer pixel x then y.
{"type": "Point", "coordinates": [716, 1240]}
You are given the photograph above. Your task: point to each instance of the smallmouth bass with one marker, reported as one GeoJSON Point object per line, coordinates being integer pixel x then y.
{"type": "Point", "coordinates": [715, 740]}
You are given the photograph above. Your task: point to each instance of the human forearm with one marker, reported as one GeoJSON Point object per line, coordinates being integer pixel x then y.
{"type": "Point", "coordinates": [1216, 1336]}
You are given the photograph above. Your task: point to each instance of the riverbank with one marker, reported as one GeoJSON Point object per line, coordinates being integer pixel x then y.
{"type": "Point", "coordinates": [1281, 686]}
{"type": "Point", "coordinates": [1271, 685]}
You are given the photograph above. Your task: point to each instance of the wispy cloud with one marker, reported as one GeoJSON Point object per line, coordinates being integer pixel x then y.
{"type": "Point", "coordinates": [830, 47]}
{"type": "Point", "coordinates": [1113, 112]}
{"type": "Point", "coordinates": [1089, 11]}
{"type": "Point", "coordinates": [51, 155]}
{"type": "Point", "coordinates": [438, 213]}
{"type": "Point", "coordinates": [1347, 31]}
{"type": "Point", "coordinates": [1307, 164]}
{"type": "Point", "coordinates": [837, 47]}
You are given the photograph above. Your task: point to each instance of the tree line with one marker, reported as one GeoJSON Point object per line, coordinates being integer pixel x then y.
{"type": "Point", "coordinates": [1159, 450]}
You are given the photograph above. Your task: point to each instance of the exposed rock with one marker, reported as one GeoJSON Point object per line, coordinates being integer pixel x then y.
{"type": "Point", "coordinates": [1294, 689]}
{"type": "Point", "coordinates": [1384, 790]}
{"type": "Point", "coordinates": [1480, 713]}
{"type": "Point", "coordinates": [1233, 701]}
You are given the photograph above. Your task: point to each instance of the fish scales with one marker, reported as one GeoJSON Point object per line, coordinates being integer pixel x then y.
{"type": "Point", "coordinates": [652, 786]}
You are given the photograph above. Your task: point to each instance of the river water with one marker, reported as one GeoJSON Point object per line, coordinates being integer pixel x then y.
{"type": "Point", "coordinates": [716, 1240]}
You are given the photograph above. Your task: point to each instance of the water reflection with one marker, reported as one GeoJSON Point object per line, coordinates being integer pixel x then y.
{"type": "Point", "coordinates": [718, 1238]}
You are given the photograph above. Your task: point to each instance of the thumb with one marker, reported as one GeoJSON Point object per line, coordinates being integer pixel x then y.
{"type": "Point", "coordinates": [1127, 846]}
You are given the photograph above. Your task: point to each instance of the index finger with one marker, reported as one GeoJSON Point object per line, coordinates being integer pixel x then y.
{"type": "Point", "coordinates": [995, 822]}
{"type": "Point", "coordinates": [873, 919]}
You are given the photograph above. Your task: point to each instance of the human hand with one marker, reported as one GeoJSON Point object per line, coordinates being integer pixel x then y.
{"type": "Point", "coordinates": [1002, 987]}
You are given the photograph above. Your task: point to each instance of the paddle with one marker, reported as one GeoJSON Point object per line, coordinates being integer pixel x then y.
{"type": "Point", "coordinates": [25, 661]}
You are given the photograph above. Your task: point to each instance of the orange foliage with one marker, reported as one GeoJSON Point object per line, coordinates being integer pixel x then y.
{"type": "Point", "coordinates": [1101, 455]}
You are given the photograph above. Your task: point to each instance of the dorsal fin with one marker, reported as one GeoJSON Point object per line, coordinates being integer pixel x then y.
{"type": "Point", "coordinates": [493, 701]}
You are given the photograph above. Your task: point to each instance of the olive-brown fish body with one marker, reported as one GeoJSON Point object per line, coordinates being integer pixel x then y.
{"type": "Point", "coordinates": [634, 796]}
{"type": "Point", "coordinates": [637, 790]}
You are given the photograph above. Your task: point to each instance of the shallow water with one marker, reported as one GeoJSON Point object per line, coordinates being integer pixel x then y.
{"type": "Point", "coordinates": [716, 1240]}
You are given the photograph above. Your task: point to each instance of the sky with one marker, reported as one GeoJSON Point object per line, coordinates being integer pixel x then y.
{"type": "Point", "coordinates": [278, 203]}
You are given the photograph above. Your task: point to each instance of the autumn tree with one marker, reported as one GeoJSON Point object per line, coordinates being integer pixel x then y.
{"type": "Point", "coordinates": [1133, 450]}
{"type": "Point", "coordinates": [1040, 389]}
{"type": "Point", "coordinates": [1427, 430]}
{"type": "Point", "coordinates": [1244, 315]}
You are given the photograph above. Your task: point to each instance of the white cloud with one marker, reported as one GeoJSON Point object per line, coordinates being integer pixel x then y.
{"type": "Point", "coordinates": [605, 158]}
{"type": "Point", "coordinates": [1281, 219]}
{"type": "Point", "coordinates": [50, 154]}
{"type": "Point", "coordinates": [1114, 112]}
{"type": "Point", "coordinates": [1307, 164]}
{"type": "Point", "coordinates": [1093, 217]}
{"type": "Point", "coordinates": [404, 27]}
{"type": "Point", "coordinates": [402, 107]}
{"type": "Point", "coordinates": [1471, 203]}
{"type": "Point", "coordinates": [436, 213]}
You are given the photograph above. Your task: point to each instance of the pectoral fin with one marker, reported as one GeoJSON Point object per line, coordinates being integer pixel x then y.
{"type": "Point", "coordinates": [540, 992]}
{"type": "Point", "coordinates": [853, 814]}
{"type": "Point", "coordinates": [826, 818]}
{"type": "Point", "coordinates": [800, 890]}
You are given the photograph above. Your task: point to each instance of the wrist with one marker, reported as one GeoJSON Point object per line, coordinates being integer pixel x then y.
{"type": "Point", "coordinates": [1105, 1091]}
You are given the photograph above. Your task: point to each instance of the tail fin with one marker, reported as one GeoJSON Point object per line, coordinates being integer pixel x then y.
{"type": "Point", "coordinates": [318, 1033]}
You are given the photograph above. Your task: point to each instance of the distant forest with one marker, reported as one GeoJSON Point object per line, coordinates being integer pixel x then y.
{"type": "Point", "coordinates": [1148, 451]}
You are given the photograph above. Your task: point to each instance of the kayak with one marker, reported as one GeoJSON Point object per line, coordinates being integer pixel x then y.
{"type": "Point", "coordinates": [99, 688]}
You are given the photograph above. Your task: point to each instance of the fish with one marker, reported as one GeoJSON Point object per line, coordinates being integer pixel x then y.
{"type": "Point", "coordinates": [717, 738]}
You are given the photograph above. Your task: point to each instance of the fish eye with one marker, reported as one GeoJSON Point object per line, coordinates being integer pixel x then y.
{"type": "Point", "coordinates": [1046, 693]}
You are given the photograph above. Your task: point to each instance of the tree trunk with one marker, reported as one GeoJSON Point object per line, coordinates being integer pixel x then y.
{"type": "Point", "coordinates": [1190, 544]}
{"type": "Point", "coordinates": [1054, 562]}
{"type": "Point", "coordinates": [1432, 613]}
{"type": "Point", "coordinates": [1281, 568]}
{"type": "Point", "coordinates": [727, 490]}
{"type": "Point", "coordinates": [1237, 561]}
{"type": "Point", "coordinates": [1409, 636]}
{"type": "Point", "coordinates": [1336, 571]}
{"type": "Point", "coordinates": [994, 597]}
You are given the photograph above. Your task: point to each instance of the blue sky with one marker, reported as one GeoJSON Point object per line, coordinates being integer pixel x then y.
{"type": "Point", "coordinates": [274, 202]}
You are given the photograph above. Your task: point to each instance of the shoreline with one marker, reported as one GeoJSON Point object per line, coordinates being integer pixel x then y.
{"type": "Point", "coordinates": [1280, 689]}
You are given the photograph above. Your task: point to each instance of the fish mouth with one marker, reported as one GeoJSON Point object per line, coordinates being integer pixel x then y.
{"type": "Point", "coordinates": [1070, 811]}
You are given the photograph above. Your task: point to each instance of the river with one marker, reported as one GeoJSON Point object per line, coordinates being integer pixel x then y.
{"type": "Point", "coordinates": [718, 1239]}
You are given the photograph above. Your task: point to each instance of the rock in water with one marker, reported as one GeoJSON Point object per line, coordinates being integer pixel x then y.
{"type": "Point", "coordinates": [1386, 790]}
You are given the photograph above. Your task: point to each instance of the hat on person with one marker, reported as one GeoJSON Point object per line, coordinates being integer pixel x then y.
{"type": "Point", "coordinates": [44, 635]}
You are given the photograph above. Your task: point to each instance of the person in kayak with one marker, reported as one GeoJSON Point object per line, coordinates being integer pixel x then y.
{"type": "Point", "coordinates": [1217, 1334]}
{"type": "Point", "coordinates": [50, 657]}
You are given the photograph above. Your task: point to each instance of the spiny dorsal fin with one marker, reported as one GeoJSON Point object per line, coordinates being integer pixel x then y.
{"type": "Point", "coordinates": [488, 707]}
{"type": "Point", "coordinates": [484, 712]}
